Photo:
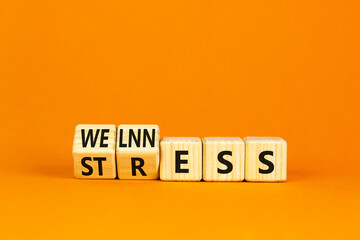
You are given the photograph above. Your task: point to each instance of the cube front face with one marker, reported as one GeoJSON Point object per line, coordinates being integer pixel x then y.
{"type": "Point", "coordinates": [181, 159]}
{"type": "Point", "coordinates": [137, 151]}
{"type": "Point", "coordinates": [94, 151]}
{"type": "Point", "coordinates": [223, 159]}
{"type": "Point", "coordinates": [265, 159]}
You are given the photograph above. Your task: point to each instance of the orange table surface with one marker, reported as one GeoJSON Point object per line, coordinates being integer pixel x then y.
{"type": "Point", "coordinates": [196, 68]}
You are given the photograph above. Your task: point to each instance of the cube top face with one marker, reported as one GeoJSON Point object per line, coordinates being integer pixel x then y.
{"type": "Point", "coordinates": [223, 159]}
{"type": "Point", "coordinates": [94, 138]}
{"type": "Point", "coordinates": [181, 159]}
{"type": "Point", "coordinates": [137, 151]}
{"type": "Point", "coordinates": [266, 159]}
{"type": "Point", "coordinates": [139, 137]}
{"type": "Point", "coordinates": [264, 140]}
{"type": "Point", "coordinates": [94, 151]}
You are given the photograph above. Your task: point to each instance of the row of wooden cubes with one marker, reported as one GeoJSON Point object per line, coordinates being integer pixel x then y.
{"type": "Point", "coordinates": [136, 152]}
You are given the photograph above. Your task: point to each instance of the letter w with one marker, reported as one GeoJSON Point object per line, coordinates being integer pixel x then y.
{"type": "Point", "coordinates": [89, 136]}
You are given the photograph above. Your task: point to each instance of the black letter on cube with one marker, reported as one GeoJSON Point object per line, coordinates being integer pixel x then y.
{"type": "Point", "coordinates": [179, 161]}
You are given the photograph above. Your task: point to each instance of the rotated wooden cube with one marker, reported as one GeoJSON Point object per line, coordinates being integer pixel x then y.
{"type": "Point", "coordinates": [94, 151]}
{"type": "Point", "coordinates": [265, 159]}
{"type": "Point", "coordinates": [223, 159]}
{"type": "Point", "coordinates": [137, 151]}
{"type": "Point", "coordinates": [181, 159]}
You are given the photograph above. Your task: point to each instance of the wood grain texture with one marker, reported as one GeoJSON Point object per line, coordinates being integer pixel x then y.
{"type": "Point", "coordinates": [169, 146]}
{"type": "Point", "coordinates": [127, 150]}
{"type": "Point", "coordinates": [212, 146]}
{"type": "Point", "coordinates": [98, 150]}
{"type": "Point", "coordinates": [254, 146]}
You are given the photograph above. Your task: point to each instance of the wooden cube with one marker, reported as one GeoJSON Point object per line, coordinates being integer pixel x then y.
{"type": "Point", "coordinates": [137, 151]}
{"type": "Point", "coordinates": [265, 159]}
{"type": "Point", "coordinates": [94, 151]}
{"type": "Point", "coordinates": [223, 159]}
{"type": "Point", "coordinates": [181, 159]}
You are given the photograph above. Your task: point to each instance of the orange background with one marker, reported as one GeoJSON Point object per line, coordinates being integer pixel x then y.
{"type": "Point", "coordinates": [195, 68]}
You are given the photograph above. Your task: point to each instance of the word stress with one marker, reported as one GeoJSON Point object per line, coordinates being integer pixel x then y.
{"type": "Point", "coordinates": [103, 151]}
